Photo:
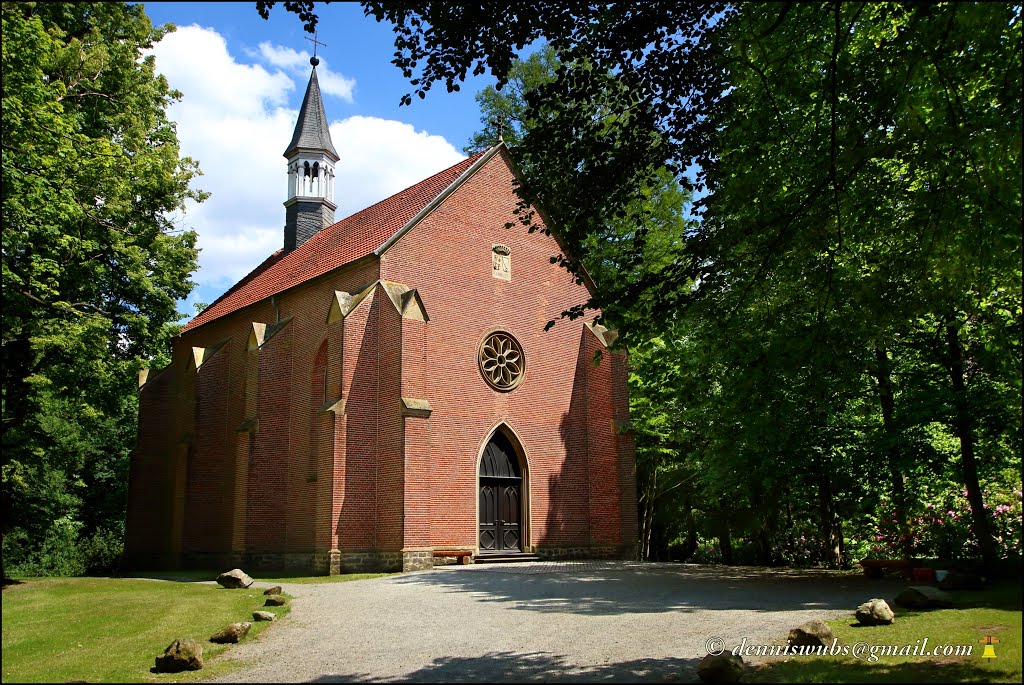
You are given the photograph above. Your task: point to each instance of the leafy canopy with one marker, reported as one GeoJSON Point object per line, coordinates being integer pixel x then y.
{"type": "Point", "coordinates": [92, 265]}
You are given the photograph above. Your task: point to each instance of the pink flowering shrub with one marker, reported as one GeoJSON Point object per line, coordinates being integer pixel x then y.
{"type": "Point", "coordinates": [707, 553]}
{"type": "Point", "coordinates": [941, 527]}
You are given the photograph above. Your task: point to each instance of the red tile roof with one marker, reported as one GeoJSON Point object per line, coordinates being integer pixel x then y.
{"type": "Point", "coordinates": [340, 243]}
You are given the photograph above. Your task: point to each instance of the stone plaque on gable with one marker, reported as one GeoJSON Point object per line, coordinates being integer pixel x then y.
{"type": "Point", "coordinates": [501, 262]}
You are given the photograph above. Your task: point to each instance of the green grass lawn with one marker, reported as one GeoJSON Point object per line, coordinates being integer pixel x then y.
{"type": "Point", "coordinates": [112, 630]}
{"type": "Point", "coordinates": [995, 611]}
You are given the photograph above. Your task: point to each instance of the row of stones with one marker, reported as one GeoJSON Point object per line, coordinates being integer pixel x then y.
{"type": "Point", "coordinates": [186, 654]}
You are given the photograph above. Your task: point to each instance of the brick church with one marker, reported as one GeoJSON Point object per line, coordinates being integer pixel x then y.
{"type": "Point", "coordinates": [381, 392]}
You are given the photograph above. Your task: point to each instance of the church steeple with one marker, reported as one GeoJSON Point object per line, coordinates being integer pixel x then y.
{"type": "Point", "coordinates": [311, 158]}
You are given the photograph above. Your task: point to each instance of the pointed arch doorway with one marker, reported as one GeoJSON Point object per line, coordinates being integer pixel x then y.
{"type": "Point", "coordinates": [501, 491]}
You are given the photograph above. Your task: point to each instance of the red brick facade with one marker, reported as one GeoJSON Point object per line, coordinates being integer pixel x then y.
{"type": "Point", "coordinates": [337, 425]}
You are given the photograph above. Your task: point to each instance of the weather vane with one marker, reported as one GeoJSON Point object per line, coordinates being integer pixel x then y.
{"type": "Point", "coordinates": [313, 60]}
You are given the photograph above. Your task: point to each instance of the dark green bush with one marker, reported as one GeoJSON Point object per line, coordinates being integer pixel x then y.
{"type": "Point", "coordinates": [64, 551]}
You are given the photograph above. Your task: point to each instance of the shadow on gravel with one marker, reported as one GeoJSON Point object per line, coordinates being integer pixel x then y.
{"type": "Point", "coordinates": [535, 667]}
{"type": "Point", "coordinates": [636, 589]}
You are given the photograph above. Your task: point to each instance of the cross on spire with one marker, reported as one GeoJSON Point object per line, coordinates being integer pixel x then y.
{"type": "Point", "coordinates": [313, 60]}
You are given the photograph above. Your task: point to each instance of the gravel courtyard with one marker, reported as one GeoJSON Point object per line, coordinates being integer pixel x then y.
{"type": "Point", "coordinates": [610, 621]}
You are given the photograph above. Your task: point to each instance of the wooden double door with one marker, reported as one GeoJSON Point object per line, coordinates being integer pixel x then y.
{"type": "Point", "coordinates": [501, 502]}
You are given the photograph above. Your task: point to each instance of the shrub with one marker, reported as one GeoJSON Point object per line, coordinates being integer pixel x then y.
{"type": "Point", "coordinates": [63, 552]}
{"type": "Point", "coordinates": [941, 526]}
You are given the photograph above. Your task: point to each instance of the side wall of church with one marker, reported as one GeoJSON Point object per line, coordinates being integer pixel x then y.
{"type": "Point", "coordinates": [581, 483]}
{"type": "Point", "coordinates": [236, 459]}
{"type": "Point", "coordinates": [151, 477]}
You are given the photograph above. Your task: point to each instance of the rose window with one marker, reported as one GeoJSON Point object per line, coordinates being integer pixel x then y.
{"type": "Point", "coordinates": [501, 361]}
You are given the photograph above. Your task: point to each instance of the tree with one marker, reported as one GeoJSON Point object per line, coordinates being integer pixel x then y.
{"type": "Point", "coordinates": [503, 112]}
{"type": "Point", "coordinates": [877, 147]}
{"type": "Point", "coordinates": [92, 266]}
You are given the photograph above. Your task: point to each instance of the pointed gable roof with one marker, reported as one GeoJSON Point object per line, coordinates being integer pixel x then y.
{"type": "Point", "coordinates": [363, 233]}
{"type": "Point", "coordinates": [311, 129]}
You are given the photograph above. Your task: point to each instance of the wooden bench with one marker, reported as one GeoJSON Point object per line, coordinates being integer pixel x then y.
{"type": "Point", "coordinates": [465, 556]}
{"type": "Point", "coordinates": [873, 568]}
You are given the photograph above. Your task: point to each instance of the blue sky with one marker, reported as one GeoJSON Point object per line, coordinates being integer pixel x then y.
{"type": "Point", "coordinates": [242, 79]}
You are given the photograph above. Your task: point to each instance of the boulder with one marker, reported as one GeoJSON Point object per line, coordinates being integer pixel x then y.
{"type": "Point", "coordinates": [874, 612]}
{"type": "Point", "coordinates": [275, 601]}
{"type": "Point", "coordinates": [263, 616]}
{"type": "Point", "coordinates": [276, 590]}
{"type": "Point", "coordinates": [184, 654]}
{"type": "Point", "coordinates": [958, 580]}
{"type": "Point", "coordinates": [233, 633]}
{"type": "Point", "coordinates": [721, 668]}
{"type": "Point", "coordinates": [811, 634]}
{"type": "Point", "coordinates": [923, 597]}
{"type": "Point", "coordinates": [234, 579]}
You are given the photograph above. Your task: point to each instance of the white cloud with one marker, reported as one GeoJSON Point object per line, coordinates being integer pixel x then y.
{"type": "Point", "coordinates": [284, 57]}
{"type": "Point", "coordinates": [331, 82]}
{"type": "Point", "coordinates": [196, 61]}
{"type": "Point", "coordinates": [235, 120]}
{"type": "Point", "coordinates": [335, 84]}
{"type": "Point", "coordinates": [379, 157]}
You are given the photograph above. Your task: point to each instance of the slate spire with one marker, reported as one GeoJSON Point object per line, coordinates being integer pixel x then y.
{"type": "Point", "coordinates": [311, 158]}
{"type": "Point", "coordinates": [311, 130]}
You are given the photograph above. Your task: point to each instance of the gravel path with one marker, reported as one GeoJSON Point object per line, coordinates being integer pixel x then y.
{"type": "Point", "coordinates": [546, 621]}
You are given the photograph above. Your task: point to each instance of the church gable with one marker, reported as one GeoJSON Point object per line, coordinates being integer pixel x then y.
{"type": "Point", "coordinates": [462, 237]}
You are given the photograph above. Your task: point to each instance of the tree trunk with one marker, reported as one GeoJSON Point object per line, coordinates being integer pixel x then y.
{"type": "Point", "coordinates": [724, 535]}
{"type": "Point", "coordinates": [648, 519]}
{"type": "Point", "coordinates": [829, 529]}
{"type": "Point", "coordinates": [765, 557]}
{"type": "Point", "coordinates": [887, 399]}
{"type": "Point", "coordinates": [842, 543]}
{"type": "Point", "coordinates": [963, 429]}
{"type": "Point", "coordinates": [762, 535]}
{"type": "Point", "coordinates": [690, 545]}
{"type": "Point", "coordinates": [790, 538]}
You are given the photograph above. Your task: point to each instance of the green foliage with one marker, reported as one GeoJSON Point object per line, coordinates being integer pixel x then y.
{"type": "Point", "coordinates": [506, 108]}
{"type": "Point", "coordinates": [64, 550]}
{"type": "Point", "coordinates": [92, 266]}
{"type": "Point", "coordinates": [813, 270]}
